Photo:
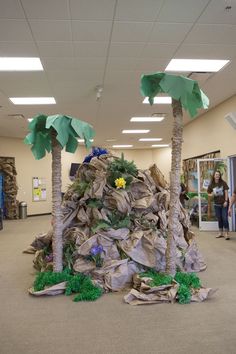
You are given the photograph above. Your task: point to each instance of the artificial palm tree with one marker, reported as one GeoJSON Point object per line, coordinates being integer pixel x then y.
{"type": "Point", "coordinates": [52, 134]}
{"type": "Point", "coordinates": [187, 94]}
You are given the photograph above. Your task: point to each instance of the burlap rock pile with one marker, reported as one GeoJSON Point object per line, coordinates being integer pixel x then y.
{"type": "Point", "coordinates": [130, 225]}
{"type": "Point", "coordinates": [7, 166]}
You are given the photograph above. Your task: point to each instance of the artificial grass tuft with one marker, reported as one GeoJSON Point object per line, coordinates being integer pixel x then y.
{"type": "Point", "coordinates": [78, 283]}
{"type": "Point", "coordinates": [186, 281]}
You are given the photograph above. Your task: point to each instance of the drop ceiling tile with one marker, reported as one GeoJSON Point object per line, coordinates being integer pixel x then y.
{"type": "Point", "coordinates": [206, 51]}
{"type": "Point", "coordinates": [121, 63]}
{"type": "Point", "coordinates": [11, 9]}
{"type": "Point", "coordinates": [53, 30]}
{"type": "Point", "coordinates": [137, 10]}
{"type": "Point", "coordinates": [131, 31]}
{"type": "Point", "coordinates": [92, 9]}
{"type": "Point", "coordinates": [75, 76]}
{"type": "Point", "coordinates": [90, 63]}
{"type": "Point", "coordinates": [90, 49]}
{"type": "Point", "coordinates": [159, 50]}
{"type": "Point", "coordinates": [91, 30]}
{"type": "Point", "coordinates": [121, 77]}
{"type": "Point", "coordinates": [212, 34]}
{"type": "Point", "coordinates": [14, 30]}
{"type": "Point", "coordinates": [61, 63]}
{"type": "Point", "coordinates": [46, 9]}
{"type": "Point", "coordinates": [181, 10]}
{"type": "Point", "coordinates": [68, 86]}
{"type": "Point", "coordinates": [215, 13]}
{"type": "Point", "coordinates": [18, 49]}
{"type": "Point", "coordinates": [55, 49]}
{"type": "Point", "coordinates": [126, 49]}
{"type": "Point", "coordinates": [169, 32]}
{"type": "Point", "coordinates": [151, 65]}
{"type": "Point", "coordinates": [19, 84]}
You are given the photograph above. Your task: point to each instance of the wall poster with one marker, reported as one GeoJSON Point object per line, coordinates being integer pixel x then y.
{"type": "Point", "coordinates": [39, 190]}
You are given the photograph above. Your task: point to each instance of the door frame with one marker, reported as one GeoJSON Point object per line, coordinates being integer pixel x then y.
{"type": "Point", "coordinates": [211, 225]}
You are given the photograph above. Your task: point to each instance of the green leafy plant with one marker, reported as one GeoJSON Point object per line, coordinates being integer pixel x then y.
{"type": "Point", "coordinates": [121, 168]}
{"type": "Point", "coordinates": [186, 281]}
{"type": "Point", "coordinates": [94, 203]}
{"type": "Point", "coordinates": [80, 187]}
{"type": "Point", "coordinates": [78, 283]}
{"type": "Point", "coordinates": [68, 251]}
{"type": "Point", "coordinates": [116, 221]}
{"type": "Point", "coordinates": [157, 278]}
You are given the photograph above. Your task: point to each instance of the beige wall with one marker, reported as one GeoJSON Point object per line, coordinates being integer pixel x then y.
{"type": "Point", "coordinates": [27, 167]}
{"type": "Point", "coordinates": [211, 132]}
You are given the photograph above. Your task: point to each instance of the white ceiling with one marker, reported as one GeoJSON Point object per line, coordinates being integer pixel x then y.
{"type": "Point", "coordinates": [85, 43]}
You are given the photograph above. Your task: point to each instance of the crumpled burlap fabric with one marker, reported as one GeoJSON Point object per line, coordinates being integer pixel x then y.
{"type": "Point", "coordinates": [126, 250]}
{"type": "Point", "coordinates": [143, 294]}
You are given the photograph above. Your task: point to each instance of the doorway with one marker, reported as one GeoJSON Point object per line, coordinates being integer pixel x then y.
{"type": "Point", "coordinates": [205, 171]}
{"type": "Point", "coordinates": [232, 185]}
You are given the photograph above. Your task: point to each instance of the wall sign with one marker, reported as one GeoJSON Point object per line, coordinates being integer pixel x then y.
{"type": "Point", "coordinates": [39, 189]}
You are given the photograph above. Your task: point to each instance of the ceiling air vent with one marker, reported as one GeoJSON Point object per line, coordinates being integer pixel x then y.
{"type": "Point", "coordinates": [231, 118]}
{"type": "Point", "coordinates": [201, 78]}
{"type": "Point", "coordinates": [17, 116]}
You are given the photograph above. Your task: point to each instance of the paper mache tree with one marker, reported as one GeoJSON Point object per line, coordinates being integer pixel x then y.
{"type": "Point", "coordinates": [187, 94]}
{"type": "Point", "coordinates": [52, 134]}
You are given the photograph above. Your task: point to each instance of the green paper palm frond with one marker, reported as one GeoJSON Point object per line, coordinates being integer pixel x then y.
{"type": "Point", "coordinates": [68, 130]}
{"type": "Point", "coordinates": [179, 88]}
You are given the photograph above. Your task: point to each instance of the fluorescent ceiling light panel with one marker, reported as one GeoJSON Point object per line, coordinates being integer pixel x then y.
{"type": "Point", "coordinates": [33, 100]}
{"type": "Point", "coordinates": [111, 140]}
{"type": "Point", "coordinates": [135, 131]}
{"type": "Point", "coordinates": [199, 65]}
{"type": "Point", "coordinates": [160, 145]}
{"type": "Point", "coordinates": [20, 64]}
{"type": "Point", "coordinates": [122, 146]}
{"type": "Point", "coordinates": [146, 119]}
{"type": "Point", "coordinates": [159, 100]}
{"type": "Point", "coordinates": [150, 139]}
{"type": "Point", "coordinates": [82, 140]}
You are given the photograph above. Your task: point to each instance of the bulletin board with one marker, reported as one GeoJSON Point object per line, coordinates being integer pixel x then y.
{"type": "Point", "coordinates": [39, 190]}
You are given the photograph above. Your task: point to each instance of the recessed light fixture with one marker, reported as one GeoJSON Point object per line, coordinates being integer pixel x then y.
{"type": "Point", "coordinates": [159, 100]}
{"type": "Point", "coordinates": [20, 64]}
{"type": "Point", "coordinates": [135, 131]}
{"type": "Point", "coordinates": [146, 119]}
{"type": "Point", "coordinates": [30, 119]}
{"type": "Point", "coordinates": [33, 100]}
{"type": "Point", "coordinates": [150, 139]}
{"type": "Point", "coordinates": [122, 146]}
{"type": "Point", "coordinates": [199, 65]}
{"type": "Point", "coordinates": [82, 140]}
{"type": "Point", "coordinates": [160, 145]}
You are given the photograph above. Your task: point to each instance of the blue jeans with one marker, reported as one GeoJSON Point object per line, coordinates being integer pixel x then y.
{"type": "Point", "coordinates": [222, 216]}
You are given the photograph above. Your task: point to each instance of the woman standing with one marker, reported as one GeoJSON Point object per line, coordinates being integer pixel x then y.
{"type": "Point", "coordinates": [219, 189]}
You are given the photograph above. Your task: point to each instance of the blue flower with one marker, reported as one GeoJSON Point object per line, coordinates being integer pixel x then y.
{"type": "Point", "coordinates": [95, 250]}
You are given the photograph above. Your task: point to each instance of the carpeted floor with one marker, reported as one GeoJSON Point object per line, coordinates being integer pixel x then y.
{"type": "Point", "coordinates": [57, 325]}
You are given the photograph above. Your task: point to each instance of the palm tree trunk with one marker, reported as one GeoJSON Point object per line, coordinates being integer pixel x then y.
{"type": "Point", "coordinates": [177, 139]}
{"type": "Point", "coordinates": [57, 245]}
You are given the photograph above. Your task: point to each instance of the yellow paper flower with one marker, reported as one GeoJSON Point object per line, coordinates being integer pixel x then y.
{"type": "Point", "coordinates": [120, 182]}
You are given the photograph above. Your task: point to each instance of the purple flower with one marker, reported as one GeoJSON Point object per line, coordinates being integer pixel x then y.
{"type": "Point", "coordinates": [49, 258]}
{"type": "Point", "coordinates": [95, 250]}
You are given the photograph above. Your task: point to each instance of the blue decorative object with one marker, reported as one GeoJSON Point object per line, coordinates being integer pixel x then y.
{"type": "Point", "coordinates": [96, 151]}
{"type": "Point", "coordinates": [95, 253]}
{"type": "Point", "coordinates": [95, 250]}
